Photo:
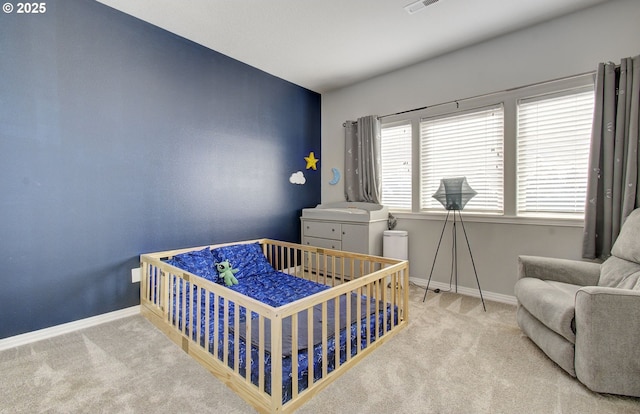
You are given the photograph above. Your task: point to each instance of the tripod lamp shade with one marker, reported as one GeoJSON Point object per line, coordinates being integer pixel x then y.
{"type": "Point", "coordinates": [454, 193]}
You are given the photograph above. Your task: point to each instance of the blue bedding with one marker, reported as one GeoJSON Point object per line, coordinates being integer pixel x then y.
{"type": "Point", "coordinates": [258, 280]}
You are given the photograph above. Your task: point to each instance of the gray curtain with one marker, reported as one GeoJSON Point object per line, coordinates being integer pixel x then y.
{"type": "Point", "coordinates": [362, 159]}
{"type": "Point", "coordinates": [612, 187]}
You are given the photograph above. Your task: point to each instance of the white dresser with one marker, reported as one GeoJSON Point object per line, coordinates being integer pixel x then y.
{"type": "Point", "coordinates": [348, 226]}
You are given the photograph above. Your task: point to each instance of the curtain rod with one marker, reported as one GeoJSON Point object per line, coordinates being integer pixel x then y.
{"type": "Point", "coordinates": [457, 101]}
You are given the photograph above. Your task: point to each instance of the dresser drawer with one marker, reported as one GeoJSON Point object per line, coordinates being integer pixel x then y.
{"type": "Point", "coordinates": [324, 243]}
{"type": "Point", "coordinates": [323, 230]}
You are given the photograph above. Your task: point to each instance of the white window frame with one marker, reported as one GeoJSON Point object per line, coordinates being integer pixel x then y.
{"type": "Point", "coordinates": [509, 100]}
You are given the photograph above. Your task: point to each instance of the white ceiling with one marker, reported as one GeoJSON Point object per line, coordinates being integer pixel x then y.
{"type": "Point", "coordinates": [327, 44]}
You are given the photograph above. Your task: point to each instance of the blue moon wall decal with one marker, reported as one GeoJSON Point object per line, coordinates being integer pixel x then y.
{"type": "Point", "coordinates": [336, 176]}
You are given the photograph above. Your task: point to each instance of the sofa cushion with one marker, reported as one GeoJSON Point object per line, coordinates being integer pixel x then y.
{"type": "Point", "coordinates": [552, 303]}
{"type": "Point", "coordinates": [619, 273]}
{"type": "Point", "coordinates": [561, 351]}
{"type": "Point", "coordinates": [627, 246]}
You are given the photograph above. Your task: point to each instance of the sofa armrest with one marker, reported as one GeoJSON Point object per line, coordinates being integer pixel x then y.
{"type": "Point", "coordinates": [574, 272]}
{"type": "Point", "coordinates": [607, 338]}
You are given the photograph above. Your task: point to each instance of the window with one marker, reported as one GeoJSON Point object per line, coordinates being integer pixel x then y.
{"type": "Point", "coordinates": [554, 133]}
{"type": "Point", "coordinates": [469, 145]}
{"type": "Point", "coordinates": [396, 166]}
{"type": "Point", "coordinates": [525, 151]}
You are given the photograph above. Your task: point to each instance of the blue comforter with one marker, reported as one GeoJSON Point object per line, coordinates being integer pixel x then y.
{"type": "Point", "coordinates": [258, 280]}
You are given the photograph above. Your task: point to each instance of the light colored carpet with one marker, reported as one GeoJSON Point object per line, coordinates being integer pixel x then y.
{"type": "Point", "coordinates": [453, 358]}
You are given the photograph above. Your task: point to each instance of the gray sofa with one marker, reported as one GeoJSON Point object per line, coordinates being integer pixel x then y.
{"type": "Point", "coordinates": [586, 316]}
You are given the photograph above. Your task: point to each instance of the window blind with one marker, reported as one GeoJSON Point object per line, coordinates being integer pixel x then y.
{"type": "Point", "coordinates": [468, 144]}
{"type": "Point", "coordinates": [553, 138]}
{"type": "Point", "coordinates": [396, 166]}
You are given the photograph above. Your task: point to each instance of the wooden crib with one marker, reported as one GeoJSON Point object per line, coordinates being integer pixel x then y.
{"type": "Point", "coordinates": [356, 280]}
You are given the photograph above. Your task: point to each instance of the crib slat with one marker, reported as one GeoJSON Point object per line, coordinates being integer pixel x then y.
{"type": "Point", "coordinates": [207, 319]}
{"type": "Point", "coordinates": [288, 265]}
{"type": "Point", "coordinates": [157, 287]}
{"type": "Point", "coordinates": [371, 310]}
{"type": "Point", "coordinates": [353, 269]}
{"type": "Point", "coordinates": [382, 304]}
{"type": "Point", "coordinates": [305, 267]}
{"type": "Point", "coordinates": [348, 327]}
{"type": "Point", "coordinates": [294, 355]}
{"type": "Point", "coordinates": [170, 311]}
{"type": "Point", "coordinates": [394, 296]}
{"type": "Point", "coordinates": [261, 351]}
{"type": "Point", "coordinates": [368, 314]}
{"type": "Point", "coordinates": [359, 319]}
{"type": "Point", "coordinates": [236, 338]}
{"type": "Point", "coordinates": [281, 262]}
{"type": "Point", "coordinates": [175, 298]}
{"type": "Point", "coordinates": [380, 316]}
{"type": "Point", "coordinates": [145, 280]}
{"type": "Point", "coordinates": [336, 331]}
{"type": "Point", "coordinates": [325, 269]}
{"type": "Point", "coordinates": [305, 264]}
{"type": "Point", "coordinates": [313, 265]}
{"type": "Point", "coordinates": [183, 317]}
{"type": "Point", "coordinates": [293, 255]}
{"type": "Point", "coordinates": [376, 299]}
{"type": "Point", "coordinates": [325, 351]}
{"type": "Point", "coordinates": [275, 259]}
{"type": "Point", "coordinates": [162, 283]}
{"type": "Point", "coordinates": [275, 324]}
{"type": "Point", "coordinates": [151, 283]}
{"type": "Point", "coordinates": [216, 324]}
{"type": "Point", "coordinates": [386, 295]}
{"type": "Point", "coordinates": [310, 340]}
{"type": "Point", "coordinates": [197, 314]}
{"type": "Point", "coordinates": [225, 334]}
{"type": "Point", "coordinates": [272, 255]}
{"type": "Point", "coordinates": [248, 347]}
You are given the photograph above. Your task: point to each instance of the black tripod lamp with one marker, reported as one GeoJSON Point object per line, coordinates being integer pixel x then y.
{"type": "Point", "coordinates": [454, 194]}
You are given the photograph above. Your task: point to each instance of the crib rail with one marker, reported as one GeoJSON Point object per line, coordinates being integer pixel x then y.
{"type": "Point", "coordinates": [253, 347]}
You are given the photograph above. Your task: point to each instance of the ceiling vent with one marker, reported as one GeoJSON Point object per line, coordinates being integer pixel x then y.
{"type": "Point", "coordinates": [418, 5]}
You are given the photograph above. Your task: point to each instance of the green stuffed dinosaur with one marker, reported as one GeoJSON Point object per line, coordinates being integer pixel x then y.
{"type": "Point", "coordinates": [227, 273]}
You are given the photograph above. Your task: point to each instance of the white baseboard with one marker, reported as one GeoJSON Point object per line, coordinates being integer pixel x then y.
{"type": "Point", "coordinates": [47, 333]}
{"type": "Point", "coordinates": [496, 297]}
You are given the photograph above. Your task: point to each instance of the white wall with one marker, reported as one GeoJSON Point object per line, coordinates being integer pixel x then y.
{"type": "Point", "coordinates": [562, 47]}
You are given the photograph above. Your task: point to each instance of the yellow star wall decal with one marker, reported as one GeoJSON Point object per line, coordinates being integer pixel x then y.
{"type": "Point", "coordinates": [311, 161]}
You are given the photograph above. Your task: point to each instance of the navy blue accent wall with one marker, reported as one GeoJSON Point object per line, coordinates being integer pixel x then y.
{"type": "Point", "coordinates": [119, 138]}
